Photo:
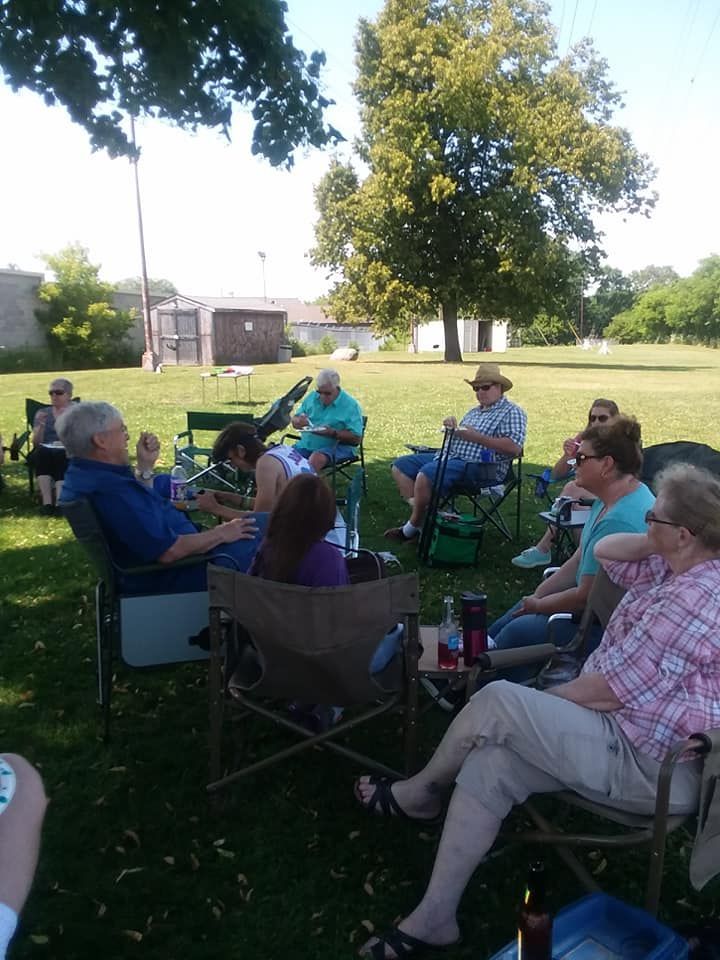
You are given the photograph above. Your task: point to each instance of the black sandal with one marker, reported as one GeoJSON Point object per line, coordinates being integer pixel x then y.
{"type": "Point", "coordinates": [384, 799]}
{"type": "Point", "coordinates": [402, 945]}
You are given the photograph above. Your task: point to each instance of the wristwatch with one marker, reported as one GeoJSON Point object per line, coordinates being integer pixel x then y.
{"type": "Point", "coordinates": [143, 474]}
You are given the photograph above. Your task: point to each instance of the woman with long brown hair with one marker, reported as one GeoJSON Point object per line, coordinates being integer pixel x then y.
{"type": "Point", "coordinates": [294, 549]}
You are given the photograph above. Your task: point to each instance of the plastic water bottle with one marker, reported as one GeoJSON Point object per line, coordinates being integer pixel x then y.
{"type": "Point", "coordinates": [178, 486]}
{"type": "Point", "coordinates": [448, 638]}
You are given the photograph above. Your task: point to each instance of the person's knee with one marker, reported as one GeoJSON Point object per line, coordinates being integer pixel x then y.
{"type": "Point", "coordinates": [29, 787]}
{"type": "Point", "coordinates": [496, 706]}
{"type": "Point", "coordinates": [318, 461]}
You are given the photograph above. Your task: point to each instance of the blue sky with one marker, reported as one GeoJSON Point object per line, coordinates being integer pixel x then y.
{"type": "Point", "coordinates": [209, 206]}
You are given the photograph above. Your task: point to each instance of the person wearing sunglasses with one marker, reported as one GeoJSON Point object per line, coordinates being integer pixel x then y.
{"type": "Point", "coordinates": [653, 681]}
{"type": "Point", "coordinates": [601, 412]}
{"type": "Point", "coordinates": [331, 421]}
{"type": "Point", "coordinates": [47, 457]}
{"type": "Point", "coordinates": [483, 446]}
{"type": "Point", "coordinates": [607, 465]}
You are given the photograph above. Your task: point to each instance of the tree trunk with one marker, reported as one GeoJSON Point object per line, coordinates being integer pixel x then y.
{"type": "Point", "coordinates": [449, 319]}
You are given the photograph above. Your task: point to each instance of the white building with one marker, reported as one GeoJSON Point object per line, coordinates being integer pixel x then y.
{"type": "Point", "coordinates": [475, 336]}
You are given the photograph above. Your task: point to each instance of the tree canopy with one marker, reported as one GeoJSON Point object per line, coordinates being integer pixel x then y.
{"type": "Point", "coordinates": [185, 61]}
{"type": "Point", "coordinates": [79, 319]}
{"type": "Point", "coordinates": [685, 309]}
{"type": "Point", "coordinates": [487, 158]}
{"type": "Point", "coordinates": [157, 286]}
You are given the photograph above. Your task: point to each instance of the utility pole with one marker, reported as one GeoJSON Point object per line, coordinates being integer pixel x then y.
{"type": "Point", "coordinates": [149, 357]}
{"type": "Point", "coordinates": [262, 255]}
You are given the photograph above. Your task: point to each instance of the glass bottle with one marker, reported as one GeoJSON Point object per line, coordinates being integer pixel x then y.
{"type": "Point", "coordinates": [448, 638]}
{"type": "Point", "coordinates": [534, 921]}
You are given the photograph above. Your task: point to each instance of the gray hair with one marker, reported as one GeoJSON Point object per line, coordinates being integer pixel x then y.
{"type": "Point", "coordinates": [65, 384]}
{"type": "Point", "coordinates": [328, 377]}
{"type": "Point", "coordinates": [77, 425]}
{"type": "Point", "coordinates": [692, 498]}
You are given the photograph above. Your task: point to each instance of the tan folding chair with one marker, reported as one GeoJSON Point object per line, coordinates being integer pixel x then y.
{"type": "Point", "coordinates": [649, 830]}
{"type": "Point", "coordinates": [313, 645]}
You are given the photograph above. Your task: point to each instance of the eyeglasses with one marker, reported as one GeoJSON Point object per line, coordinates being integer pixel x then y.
{"type": "Point", "coordinates": [580, 458]}
{"type": "Point", "coordinates": [651, 518]}
{"type": "Point", "coordinates": [55, 393]}
{"type": "Point", "coordinates": [483, 386]}
{"type": "Point", "coordinates": [600, 417]}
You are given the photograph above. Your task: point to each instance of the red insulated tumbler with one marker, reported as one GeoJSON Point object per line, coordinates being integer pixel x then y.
{"type": "Point", "coordinates": [474, 625]}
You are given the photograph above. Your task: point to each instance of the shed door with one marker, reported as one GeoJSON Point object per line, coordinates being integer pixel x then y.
{"type": "Point", "coordinates": [179, 337]}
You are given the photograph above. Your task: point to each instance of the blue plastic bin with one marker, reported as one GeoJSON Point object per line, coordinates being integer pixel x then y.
{"type": "Point", "coordinates": [599, 927]}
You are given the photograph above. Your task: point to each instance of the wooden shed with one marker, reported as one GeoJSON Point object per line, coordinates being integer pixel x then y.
{"type": "Point", "coordinates": [212, 331]}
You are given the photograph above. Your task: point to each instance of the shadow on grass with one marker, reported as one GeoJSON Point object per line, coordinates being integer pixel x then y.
{"type": "Point", "coordinates": [582, 364]}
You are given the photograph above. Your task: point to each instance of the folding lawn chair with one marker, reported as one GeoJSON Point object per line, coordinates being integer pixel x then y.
{"type": "Point", "coordinates": [313, 645]}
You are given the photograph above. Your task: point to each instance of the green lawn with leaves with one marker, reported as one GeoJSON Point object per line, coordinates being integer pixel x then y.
{"type": "Point", "coordinates": [135, 863]}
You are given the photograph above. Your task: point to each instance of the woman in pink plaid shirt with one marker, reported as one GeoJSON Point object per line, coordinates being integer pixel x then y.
{"type": "Point", "coordinates": [654, 680]}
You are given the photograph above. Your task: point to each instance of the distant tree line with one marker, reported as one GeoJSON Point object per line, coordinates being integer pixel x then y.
{"type": "Point", "coordinates": [652, 305]}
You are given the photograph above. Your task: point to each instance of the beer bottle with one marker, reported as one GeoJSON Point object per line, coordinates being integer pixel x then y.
{"type": "Point", "coordinates": [535, 922]}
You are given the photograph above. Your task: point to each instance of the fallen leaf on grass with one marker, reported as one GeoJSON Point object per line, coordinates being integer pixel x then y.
{"type": "Point", "coordinates": [242, 879]}
{"type": "Point", "coordinates": [118, 770]}
{"type": "Point", "coordinates": [101, 911]}
{"type": "Point", "coordinates": [316, 916]}
{"type": "Point", "coordinates": [27, 703]}
{"type": "Point", "coordinates": [194, 862]}
{"type": "Point", "coordinates": [600, 867]}
{"type": "Point", "coordinates": [39, 938]}
{"type": "Point", "coordinates": [219, 843]}
{"type": "Point", "coordinates": [126, 873]}
{"type": "Point", "coordinates": [353, 834]}
{"type": "Point", "coordinates": [367, 887]}
{"type": "Point", "coordinates": [424, 836]}
{"type": "Point", "coordinates": [132, 836]}
{"type": "Point", "coordinates": [133, 935]}
{"type": "Point", "coordinates": [170, 861]}
{"type": "Point", "coordinates": [369, 925]}
{"type": "Point", "coordinates": [337, 874]}
{"type": "Point", "coordinates": [317, 931]}
{"type": "Point", "coordinates": [39, 646]}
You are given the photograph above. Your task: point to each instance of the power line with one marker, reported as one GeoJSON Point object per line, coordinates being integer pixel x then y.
{"type": "Point", "coordinates": [705, 48]}
{"type": "Point", "coordinates": [592, 18]}
{"type": "Point", "coordinates": [572, 23]}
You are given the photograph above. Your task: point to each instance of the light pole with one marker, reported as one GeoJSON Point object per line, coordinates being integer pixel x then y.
{"type": "Point", "coordinates": [261, 254]}
{"type": "Point", "coordinates": [149, 358]}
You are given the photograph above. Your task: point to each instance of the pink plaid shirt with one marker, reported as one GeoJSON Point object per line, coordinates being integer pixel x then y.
{"type": "Point", "coordinates": [660, 653]}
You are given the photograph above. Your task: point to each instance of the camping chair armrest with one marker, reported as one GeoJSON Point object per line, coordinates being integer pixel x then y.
{"type": "Point", "coordinates": [180, 436]}
{"type": "Point", "coordinates": [556, 618]}
{"type": "Point", "coordinates": [155, 567]}
{"type": "Point", "coordinates": [421, 448]}
{"type": "Point", "coordinates": [549, 571]}
{"type": "Point", "coordinates": [290, 436]}
{"type": "Point", "coordinates": [500, 659]}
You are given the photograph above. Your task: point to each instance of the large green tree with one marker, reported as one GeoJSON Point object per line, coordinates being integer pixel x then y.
{"type": "Point", "coordinates": [183, 60]}
{"type": "Point", "coordinates": [80, 322]}
{"type": "Point", "coordinates": [486, 157]}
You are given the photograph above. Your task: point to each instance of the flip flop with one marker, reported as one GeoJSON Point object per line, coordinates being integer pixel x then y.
{"type": "Point", "coordinates": [387, 806]}
{"type": "Point", "coordinates": [402, 945]}
{"type": "Point", "coordinates": [397, 533]}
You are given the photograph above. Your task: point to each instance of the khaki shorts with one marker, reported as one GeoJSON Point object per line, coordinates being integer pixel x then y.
{"type": "Point", "coordinates": [532, 742]}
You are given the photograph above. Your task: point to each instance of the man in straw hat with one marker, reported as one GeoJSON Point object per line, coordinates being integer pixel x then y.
{"type": "Point", "coordinates": [485, 441]}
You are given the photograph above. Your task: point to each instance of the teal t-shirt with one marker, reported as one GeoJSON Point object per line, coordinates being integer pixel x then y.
{"type": "Point", "coordinates": [344, 413]}
{"type": "Point", "coordinates": [625, 516]}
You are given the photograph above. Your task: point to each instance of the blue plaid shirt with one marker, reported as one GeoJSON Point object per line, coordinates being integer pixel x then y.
{"type": "Point", "coordinates": [502, 419]}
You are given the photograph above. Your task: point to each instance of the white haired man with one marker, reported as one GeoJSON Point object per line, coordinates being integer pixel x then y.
{"type": "Point", "coordinates": [141, 526]}
{"type": "Point", "coordinates": [331, 420]}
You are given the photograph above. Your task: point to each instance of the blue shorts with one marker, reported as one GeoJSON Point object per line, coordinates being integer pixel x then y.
{"type": "Point", "coordinates": [335, 453]}
{"type": "Point", "coordinates": [457, 471]}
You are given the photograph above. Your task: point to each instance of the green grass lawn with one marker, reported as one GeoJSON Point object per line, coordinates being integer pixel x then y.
{"type": "Point", "coordinates": [134, 861]}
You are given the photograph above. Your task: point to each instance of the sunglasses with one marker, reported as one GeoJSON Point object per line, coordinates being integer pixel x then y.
{"type": "Point", "coordinates": [651, 518]}
{"type": "Point", "coordinates": [580, 458]}
{"type": "Point", "coordinates": [600, 417]}
{"type": "Point", "coordinates": [484, 387]}
{"type": "Point", "coordinates": [55, 393]}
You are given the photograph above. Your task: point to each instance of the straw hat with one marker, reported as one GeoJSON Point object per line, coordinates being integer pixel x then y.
{"type": "Point", "coordinates": [490, 373]}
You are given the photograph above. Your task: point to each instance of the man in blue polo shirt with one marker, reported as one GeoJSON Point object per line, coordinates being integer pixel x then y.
{"type": "Point", "coordinates": [142, 527]}
{"type": "Point", "coordinates": [331, 421]}
{"type": "Point", "coordinates": [483, 446]}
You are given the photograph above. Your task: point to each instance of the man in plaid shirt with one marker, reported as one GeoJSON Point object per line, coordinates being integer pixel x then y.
{"type": "Point", "coordinates": [485, 442]}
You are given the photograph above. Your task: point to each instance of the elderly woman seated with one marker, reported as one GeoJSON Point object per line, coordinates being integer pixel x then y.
{"type": "Point", "coordinates": [654, 679]}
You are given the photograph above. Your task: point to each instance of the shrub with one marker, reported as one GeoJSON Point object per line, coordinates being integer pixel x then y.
{"type": "Point", "coordinates": [327, 344]}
